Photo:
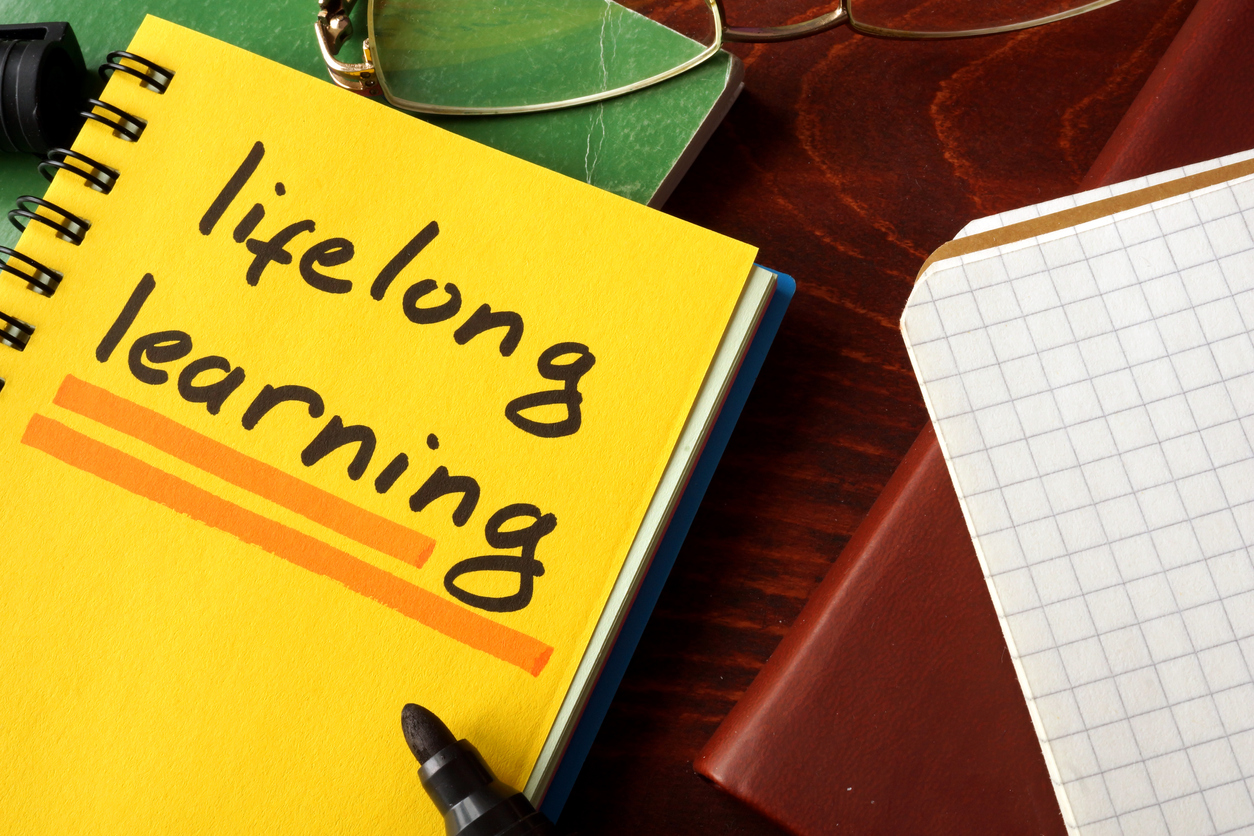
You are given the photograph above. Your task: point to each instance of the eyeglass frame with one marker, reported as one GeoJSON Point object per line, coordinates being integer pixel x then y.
{"type": "Point", "coordinates": [333, 28]}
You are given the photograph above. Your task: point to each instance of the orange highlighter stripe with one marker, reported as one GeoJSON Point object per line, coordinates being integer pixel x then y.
{"type": "Point", "coordinates": [142, 479]}
{"type": "Point", "coordinates": [243, 471]}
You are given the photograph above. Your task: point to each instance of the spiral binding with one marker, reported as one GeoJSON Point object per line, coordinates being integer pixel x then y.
{"type": "Point", "coordinates": [124, 124]}
{"type": "Point", "coordinates": [98, 175]}
{"type": "Point", "coordinates": [71, 227]}
{"type": "Point", "coordinates": [14, 332]}
{"type": "Point", "coordinates": [39, 278]}
{"type": "Point", "coordinates": [157, 77]}
{"type": "Point", "coordinates": [43, 280]}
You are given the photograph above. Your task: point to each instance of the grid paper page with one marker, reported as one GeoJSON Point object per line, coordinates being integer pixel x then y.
{"type": "Point", "coordinates": [1093, 393]}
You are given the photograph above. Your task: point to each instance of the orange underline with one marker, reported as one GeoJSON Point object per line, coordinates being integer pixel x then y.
{"type": "Point", "coordinates": [142, 479]}
{"type": "Point", "coordinates": [243, 471]}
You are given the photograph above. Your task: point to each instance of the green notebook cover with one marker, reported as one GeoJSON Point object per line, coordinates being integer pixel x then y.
{"type": "Point", "coordinates": [636, 146]}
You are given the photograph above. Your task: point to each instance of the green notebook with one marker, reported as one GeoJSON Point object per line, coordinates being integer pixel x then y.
{"type": "Point", "coordinates": [637, 146]}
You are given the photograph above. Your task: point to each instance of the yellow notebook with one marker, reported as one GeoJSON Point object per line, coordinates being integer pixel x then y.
{"type": "Point", "coordinates": [316, 423]}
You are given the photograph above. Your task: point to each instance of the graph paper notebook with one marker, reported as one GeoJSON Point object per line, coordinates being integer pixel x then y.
{"type": "Point", "coordinates": [1091, 380]}
{"type": "Point", "coordinates": [284, 452]}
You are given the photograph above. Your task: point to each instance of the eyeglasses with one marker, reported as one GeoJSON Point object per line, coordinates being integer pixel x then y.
{"type": "Point", "coordinates": [479, 57]}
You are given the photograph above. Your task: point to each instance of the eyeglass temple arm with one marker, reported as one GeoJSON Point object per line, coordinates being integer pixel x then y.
{"type": "Point", "coordinates": [840, 16]}
{"type": "Point", "coordinates": [774, 34]}
{"type": "Point", "coordinates": [333, 28]}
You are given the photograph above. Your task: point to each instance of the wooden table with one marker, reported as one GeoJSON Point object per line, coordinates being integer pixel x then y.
{"type": "Point", "coordinates": [846, 160]}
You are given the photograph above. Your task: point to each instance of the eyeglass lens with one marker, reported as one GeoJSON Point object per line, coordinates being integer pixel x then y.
{"type": "Point", "coordinates": [515, 53]}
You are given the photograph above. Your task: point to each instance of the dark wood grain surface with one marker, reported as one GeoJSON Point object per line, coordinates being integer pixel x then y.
{"type": "Point", "coordinates": [846, 160]}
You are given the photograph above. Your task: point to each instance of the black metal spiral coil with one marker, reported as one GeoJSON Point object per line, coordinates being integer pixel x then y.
{"type": "Point", "coordinates": [153, 75]}
{"type": "Point", "coordinates": [42, 279]}
{"type": "Point", "coordinates": [124, 124]}
{"type": "Point", "coordinates": [99, 175]}
{"type": "Point", "coordinates": [71, 227]}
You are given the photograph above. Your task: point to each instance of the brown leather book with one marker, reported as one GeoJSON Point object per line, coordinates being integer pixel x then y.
{"type": "Point", "coordinates": [891, 706]}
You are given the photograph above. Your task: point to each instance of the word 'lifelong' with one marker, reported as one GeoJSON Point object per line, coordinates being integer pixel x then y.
{"type": "Point", "coordinates": [337, 251]}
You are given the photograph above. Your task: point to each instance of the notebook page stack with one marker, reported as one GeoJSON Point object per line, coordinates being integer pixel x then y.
{"type": "Point", "coordinates": [1089, 369]}
{"type": "Point", "coordinates": [286, 448]}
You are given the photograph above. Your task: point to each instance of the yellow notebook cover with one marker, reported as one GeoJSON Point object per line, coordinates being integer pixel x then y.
{"type": "Point", "coordinates": [316, 424]}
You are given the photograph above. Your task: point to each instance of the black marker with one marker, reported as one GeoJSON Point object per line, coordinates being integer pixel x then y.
{"type": "Point", "coordinates": [471, 799]}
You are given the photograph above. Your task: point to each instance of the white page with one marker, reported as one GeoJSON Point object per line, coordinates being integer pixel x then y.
{"type": "Point", "coordinates": [1093, 393]}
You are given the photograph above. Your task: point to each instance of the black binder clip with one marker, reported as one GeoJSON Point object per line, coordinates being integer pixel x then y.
{"type": "Point", "coordinates": [41, 87]}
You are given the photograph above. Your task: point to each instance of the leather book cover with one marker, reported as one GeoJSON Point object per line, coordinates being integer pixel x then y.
{"type": "Point", "coordinates": [891, 706]}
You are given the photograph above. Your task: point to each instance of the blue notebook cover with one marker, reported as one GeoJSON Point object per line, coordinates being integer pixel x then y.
{"type": "Point", "coordinates": [668, 549]}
